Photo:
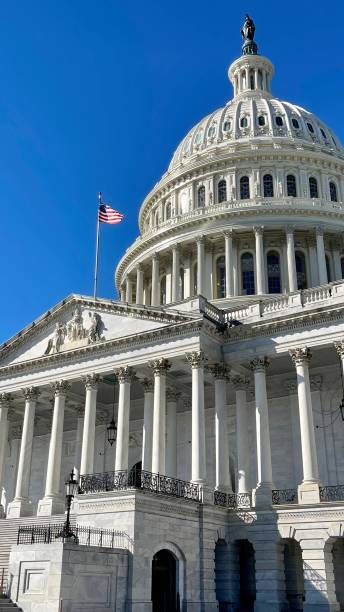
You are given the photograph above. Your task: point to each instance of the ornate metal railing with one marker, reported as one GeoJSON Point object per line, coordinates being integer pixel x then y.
{"type": "Point", "coordinates": [140, 479]}
{"type": "Point", "coordinates": [232, 500]}
{"type": "Point", "coordinates": [84, 536]}
{"type": "Point", "coordinates": [284, 496]}
{"type": "Point", "coordinates": [332, 493]}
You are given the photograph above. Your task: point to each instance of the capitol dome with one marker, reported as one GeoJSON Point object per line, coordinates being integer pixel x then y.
{"type": "Point", "coordinates": [251, 203]}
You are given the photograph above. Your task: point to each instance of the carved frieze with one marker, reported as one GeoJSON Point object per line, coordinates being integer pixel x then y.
{"type": "Point", "coordinates": [73, 334]}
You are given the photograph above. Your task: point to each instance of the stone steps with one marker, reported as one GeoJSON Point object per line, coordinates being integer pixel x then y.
{"type": "Point", "coordinates": [6, 605]}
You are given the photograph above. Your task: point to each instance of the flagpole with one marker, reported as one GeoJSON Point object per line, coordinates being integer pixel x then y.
{"type": "Point", "coordinates": [97, 249]}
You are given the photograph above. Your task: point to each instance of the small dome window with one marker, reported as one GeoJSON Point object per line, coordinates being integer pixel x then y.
{"type": "Point", "coordinates": [199, 137]}
{"type": "Point", "coordinates": [334, 142]}
{"type": "Point", "coordinates": [222, 191]}
{"type": "Point", "coordinates": [295, 123]}
{"type": "Point", "coordinates": [212, 131]}
{"type": "Point", "coordinates": [261, 120]}
{"type": "Point", "coordinates": [279, 120]}
{"type": "Point", "coordinates": [323, 133]}
{"type": "Point", "coordinates": [187, 145]}
{"type": "Point", "coordinates": [333, 192]}
{"type": "Point", "coordinates": [313, 187]}
{"type": "Point", "coordinates": [310, 127]}
{"type": "Point", "coordinates": [244, 188]}
{"type": "Point", "coordinates": [291, 186]}
{"type": "Point", "coordinates": [201, 197]}
{"type": "Point", "coordinates": [243, 122]}
{"type": "Point", "coordinates": [268, 186]}
{"type": "Point", "coordinates": [227, 126]}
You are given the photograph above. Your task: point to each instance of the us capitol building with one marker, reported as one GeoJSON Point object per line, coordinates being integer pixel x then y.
{"type": "Point", "coordinates": [202, 411]}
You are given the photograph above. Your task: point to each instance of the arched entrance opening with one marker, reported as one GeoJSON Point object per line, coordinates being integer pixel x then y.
{"type": "Point", "coordinates": [223, 589]}
{"type": "Point", "coordinates": [293, 573]}
{"type": "Point", "coordinates": [165, 596]}
{"type": "Point", "coordinates": [338, 569]}
{"type": "Point", "coordinates": [247, 572]}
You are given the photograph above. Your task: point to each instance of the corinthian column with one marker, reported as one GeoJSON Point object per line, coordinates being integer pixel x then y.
{"type": "Point", "coordinates": [260, 267]}
{"type": "Point", "coordinates": [124, 377]}
{"type": "Point", "coordinates": [292, 278]}
{"type": "Point", "coordinates": [21, 505]}
{"type": "Point", "coordinates": [53, 501]}
{"type": "Point", "coordinates": [262, 493]}
{"type": "Point", "coordinates": [229, 263]}
{"type": "Point", "coordinates": [147, 437]}
{"type": "Point", "coordinates": [139, 284]}
{"type": "Point", "coordinates": [240, 385]}
{"type": "Point", "coordinates": [175, 273]}
{"type": "Point", "coordinates": [198, 458]}
{"type": "Point", "coordinates": [4, 406]}
{"type": "Point", "coordinates": [159, 367]}
{"type": "Point", "coordinates": [321, 256]}
{"type": "Point", "coordinates": [309, 489]}
{"type": "Point", "coordinates": [200, 265]}
{"type": "Point", "coordinates": [89, 429]}
{"type": "Point", "coordinates": [155, 296]}
{"type": "Point", "coordinates": [171, 433]}
{"type": "Point", "coordinates": [220, 373]}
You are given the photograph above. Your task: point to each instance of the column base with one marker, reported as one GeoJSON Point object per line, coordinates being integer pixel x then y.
{"type": "Point", "coordinates": [2, 512]}
{"type": "Point", "coordinates": [50, 505]}
{"type": "Point", "coordinates": [20, 506]}
{"type": "Point", "coordinates": [207, 494]}
{"type": "Point", "coordinates": [262, 496]}
{"type": "Point", "coordinates": [308, 493]}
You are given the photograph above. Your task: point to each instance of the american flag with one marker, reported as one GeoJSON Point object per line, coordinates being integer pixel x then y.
{"type": "Point", "coordinates": [106, 214]}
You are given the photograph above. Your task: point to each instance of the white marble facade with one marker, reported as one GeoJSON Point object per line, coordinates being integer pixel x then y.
{"type": "Point", "coordinates": [225, 351]}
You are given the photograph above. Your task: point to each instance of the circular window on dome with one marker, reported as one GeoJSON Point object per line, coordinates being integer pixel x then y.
{"type": "Point", "coordinates": [199, 137]}
{"type": "Point", "coordinates": [243, 122]}
{"type": "Point", "coordinates": [295, 123]}
{"type": "Point", "coordinates": [227, 126]}
{"type": "Point", "coordinates": [279, 120]}
{"type": "Point", "coordinates": [310, 127]}
{"type": "Point", "coordinates": [261, 120]}
{"type": "Point", "coordinates": [212, 131]}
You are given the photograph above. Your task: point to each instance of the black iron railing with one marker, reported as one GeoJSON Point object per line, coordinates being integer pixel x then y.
{"type": "Point", "coordinates": [284, 496]}
{"type": "Point", "coordinates": [85, 536]}
{"type": "Point", "coordinates": [3, 581]}
{"type": "Point", "coordinates": [332, 493]}
{"type": "Point", "coordinates": [140, 479]}
{"type": "Point", "coordinates": [232, 500]}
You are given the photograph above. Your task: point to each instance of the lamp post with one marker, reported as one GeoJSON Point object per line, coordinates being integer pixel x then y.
{"type": "Point", "coordinates": [72, 486]}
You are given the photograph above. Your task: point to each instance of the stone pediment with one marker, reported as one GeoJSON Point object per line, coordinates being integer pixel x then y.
{"type": "Point", "coordinates": [79, 322]}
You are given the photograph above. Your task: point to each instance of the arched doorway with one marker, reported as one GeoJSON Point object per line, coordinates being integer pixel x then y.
{"type": "Point", "coordinates": [223, 576]}
{"type": "Point", "coordinates": [338, 569]}
{"type": "Point", "coordinates": [293, 572]}
{"type": "Point", "coordinates": [247, 568]}
{"type": "Point", "coordinates": [165, 597]}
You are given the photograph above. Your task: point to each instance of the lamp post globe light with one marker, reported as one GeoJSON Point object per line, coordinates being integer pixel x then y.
{"type": "Point", "coordinates": [72, 486]}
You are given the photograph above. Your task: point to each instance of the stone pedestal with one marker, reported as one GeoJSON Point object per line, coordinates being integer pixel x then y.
{"type": "Point", "coordinates": [50, 505]}
{"type": "Point", "coordinates": [308, 493]}
{"type": "Point", "coordinates": [19, 507]}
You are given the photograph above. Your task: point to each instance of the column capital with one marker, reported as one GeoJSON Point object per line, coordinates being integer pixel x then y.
{"type": "Point", "coordinates": [339, 346]}
{"type": "Point", "coordinates": [172, 395]}
{"type": "Point", "coordinates": [176, 246]}
{"type": "Point", "coordinates": [200, 239]}
{"type": "Point", "coordinates": [290, 386]}
{"type": "Point", "coordinates": [240, 383]}
{"type": "Point", "coordinates": [159, 366]}
{"type": "Point", "coordinates": [60, 387]}
{"type": "Point", "coordinates": [196, 359]}
{"type": "Point", "coordinates": [125, 374]}
{"type": "Point", "coordinates": [300, 355]}
{"type": "Point", "coordinates": [228, 233]}
{"type": "Point", "coordinates": [220, 371]}
{"type": "Point", "coordinates": [258, 230]}
{"type": "Point", "coordinates": [259, 364]}
{"type": "Point", "coordinates": [148, 385]}
{"type": "Point", "coordinates": [79, 411]}
{"type": "Point", "coordinates": [319, 230]}
{"type": "Point", "coordinates": [155, 257]}
{"type": "Point", "coordinates": [92, 381]}
{"type": "Point", "coordinates": [5, 400]}
{"type": "Point", "coordinates": [31, 393]}
{"type": "Point", "coordinates": [290, 229]}
{"type": "Point", "coordinates": [310, 241]}
{"type": "Point", "coordinates": [139, 267]}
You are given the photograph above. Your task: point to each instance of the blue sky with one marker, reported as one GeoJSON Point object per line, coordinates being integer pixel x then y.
{"type": "Point", "coordinates": [97, 95]}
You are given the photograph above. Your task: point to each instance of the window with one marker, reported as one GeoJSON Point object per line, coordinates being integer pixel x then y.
{"type": "Point", "coordinates": [295, 123]}
{"type": "Point", "coordinates": [243, 122]}
{"type": "Point", "coordinates": [181, 283]}
{"type": "Point", "coordinates": [342, 266]}
{"type": "Point", "coordinates": [333, 192]}
{"type": "Point", "coordinates": [261, 120]}
{"type": "Point", "coordinates": [334, 142]}
{"type": "Point", "coordinates": [252, 81]}
{"type": "Point", "coordinates": [227, 126]}
{"type": "Point", "coordinates": [279, 121]}
{"type": "Point", "coordinates": [247, 274]}
{"type": "Point", "coordinates": [291, 186]}
{"type": "Point", "coordinates": [187, 145]}
{"type": "Point", "coordinates": [328, 268]}
{"type": "Point", "coordinates": [274, 272]}
{"type": "Point", "coordinates": [212, 131]}
{"type": "Point", "coordinates": [268, 186]}
{"type": "Point", "coordinates": [313, 187]}
{"type": "Point", "coordinates": [195, 279]}
{"type": "Point", "coordinates": [300, 264]}
{"type": "Point", "coordinates": [220, 278]}
{"type": "Point", "coordinates": [310, 127]}
{"type": "Point", "coordinates": [222, 191]}
{"type": "Point", "coordinates": [244, 188]}
{"type": "Point", "coordinates": [168, 211]}
{"type": "Point", "coordinates": [163, 290]}
{"type": "Point", "coordinates": [201, 197]}
{"type": "Point", "coordinates": [323, 133]}
{"type": "Point", "coordinates": [199, 137]}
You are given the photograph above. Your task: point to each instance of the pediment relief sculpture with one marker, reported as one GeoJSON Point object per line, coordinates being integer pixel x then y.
{"type": "Point", "coordinates": [73, 334]}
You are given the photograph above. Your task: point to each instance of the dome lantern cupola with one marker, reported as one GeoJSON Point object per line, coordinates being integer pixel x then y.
{"type": "Point", "coordinates": [251, 73]}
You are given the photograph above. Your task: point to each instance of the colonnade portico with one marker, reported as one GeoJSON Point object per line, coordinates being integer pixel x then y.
{"type": "Point", "coordinates": [185, 265]}
{"type": "Point", "coordinates": [159, 444]}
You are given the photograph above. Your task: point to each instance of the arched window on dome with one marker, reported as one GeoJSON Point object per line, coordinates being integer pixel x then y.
{"type": "Point", "coordinates": [244, 188]}
{"type": "Point", "coordinates": [222, 191]}
{"type": "Point", "coordinates": [313, 187]}
{"type": "Point", "coordinates": [201, 197]}
{"type": "Point", "coordinates": [247, 274]}
{"type": "Point", "coordinates": [291, 186]}
{"type": "Point", "coordinates": [181, 283]}
{"type": "Point", "coordinates": [333, 192]}
{"type": "Point", "coordinates": [274, 272]}
{"type": "Point", "coordinates": [251, 79]}
{"type": "Point", "coordinates": [261, 120]}
{"type": "Point", "coordinates": [163, 290]}
{"type": "Point", "coordinates": [268, 186]}
{"type": "Point", "coordinates": [220, 277]}
{"type": "Point", "coordinates": [243, 122]}
{"type": "Point", "coordinates": [168, 210]}
{"type": "Point", "coordinates": [301, 274]}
